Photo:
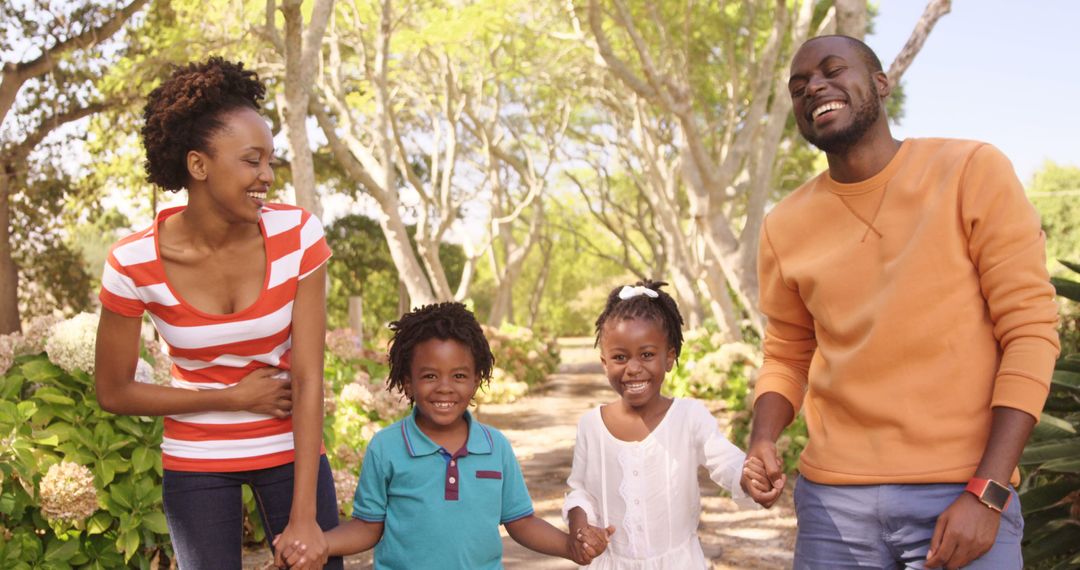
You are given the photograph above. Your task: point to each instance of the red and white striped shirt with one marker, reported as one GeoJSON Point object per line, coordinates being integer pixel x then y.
{"type": "Point", "coordinates": [215, 351]}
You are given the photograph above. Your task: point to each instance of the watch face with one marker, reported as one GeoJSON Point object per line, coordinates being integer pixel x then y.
{"type": "Point", "coordinates": [996, 495]}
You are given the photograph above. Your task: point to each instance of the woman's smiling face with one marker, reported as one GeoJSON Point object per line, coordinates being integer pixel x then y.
{"type": "Point", "coordinates": [238, 169]}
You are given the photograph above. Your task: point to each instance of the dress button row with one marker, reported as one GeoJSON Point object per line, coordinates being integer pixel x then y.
{"type": "Point", "coordinates": [452, 480]}
{"type": "Point", "coordinates": [453, 462]}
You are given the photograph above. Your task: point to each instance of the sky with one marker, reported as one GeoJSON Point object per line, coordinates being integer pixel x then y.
{"type": "Point", "coordinates": [1001, 71]}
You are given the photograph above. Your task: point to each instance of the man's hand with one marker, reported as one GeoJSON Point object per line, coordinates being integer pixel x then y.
{"type": "Point", "coordinates": [763, 462]}
{"type": "Point", "coordinates": [305, 538]}
{"type": "Point", "coordinates": [756, 483]}
{"type": "Point", "coordinates": [588, 542]}
{"type": "Point", "coordinates": [964, 532]}
{"type": "Point", "coordinates": [261, 393]}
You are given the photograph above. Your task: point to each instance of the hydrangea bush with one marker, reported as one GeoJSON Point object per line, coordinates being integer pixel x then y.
{"type": "Point", "coordinates": [522, 360]}
{"type": "Point", "coordinates": [711, 369]}
{"type": "Point", "coordinates": [79, 487]}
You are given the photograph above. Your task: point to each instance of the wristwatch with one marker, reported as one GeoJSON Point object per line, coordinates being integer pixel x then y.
{"type": "Point", "coordinates": [991, 493]}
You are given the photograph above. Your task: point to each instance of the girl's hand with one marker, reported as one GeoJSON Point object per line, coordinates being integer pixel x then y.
{"type": "Point", "coordinates": [261, 393]}
{"type": "Point", "coordinates": [589, 542]}
{"type": "Point", "coordinates": [756, 483]}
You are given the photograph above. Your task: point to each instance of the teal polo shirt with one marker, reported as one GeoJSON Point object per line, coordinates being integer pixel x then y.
{"type": "Point", "coordinates": [440, 509]}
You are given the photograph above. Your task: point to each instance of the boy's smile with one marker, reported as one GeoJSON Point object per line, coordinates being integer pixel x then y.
{"type": "Point", "coordinates": [442, 381]}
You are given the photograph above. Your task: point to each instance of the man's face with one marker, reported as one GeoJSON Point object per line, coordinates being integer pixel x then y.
{"type": "Point", "coordinates": [834, 95]}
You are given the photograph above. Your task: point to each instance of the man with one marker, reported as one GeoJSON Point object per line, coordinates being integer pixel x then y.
{"type": "Point", "coordinates": [911, 318]}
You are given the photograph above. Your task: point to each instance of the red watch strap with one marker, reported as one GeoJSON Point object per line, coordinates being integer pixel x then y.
{"type": "Point", "coordinates": [978, 486]}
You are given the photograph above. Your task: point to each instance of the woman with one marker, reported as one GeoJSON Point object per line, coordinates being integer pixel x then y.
{"type": "Point", "coordinates": [236, 289]}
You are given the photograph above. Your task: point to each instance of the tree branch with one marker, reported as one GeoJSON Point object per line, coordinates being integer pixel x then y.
{"type": "Point", "coordinates": [935, 9]}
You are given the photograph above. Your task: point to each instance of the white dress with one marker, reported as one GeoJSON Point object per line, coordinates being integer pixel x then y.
{"type": "Point", "coordinates": [648, 490]}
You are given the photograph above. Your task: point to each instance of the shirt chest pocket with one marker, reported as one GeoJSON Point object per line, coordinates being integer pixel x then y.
{"type": "Point", "coordinates": [488, 490]}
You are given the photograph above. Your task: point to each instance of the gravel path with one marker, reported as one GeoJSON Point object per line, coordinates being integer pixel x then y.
{"type": "Point", "coordinates": [541, 428]}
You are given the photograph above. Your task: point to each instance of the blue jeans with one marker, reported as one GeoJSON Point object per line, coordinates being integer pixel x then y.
{"type": "Point", "coordinates": [205, 512]}
{"type": "Point", "coordinates": [887, 526]}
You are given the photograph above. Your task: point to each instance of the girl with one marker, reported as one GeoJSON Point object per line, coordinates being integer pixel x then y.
{"type": "Point", "coordinates": [235, 288]}
{"type": "Point", "coordinates": [635, 460]}
{"type": "Point", "coordinates": [435, 486]}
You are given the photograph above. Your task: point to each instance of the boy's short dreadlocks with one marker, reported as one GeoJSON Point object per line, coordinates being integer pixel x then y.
{"type": "Point", "coordinates": [661, 309]}
{"type": "Point", "coordinates": [444, 321]}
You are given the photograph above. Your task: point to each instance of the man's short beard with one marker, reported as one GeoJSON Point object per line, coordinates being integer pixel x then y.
{"type": "Point", "coordinates": [841, 141]}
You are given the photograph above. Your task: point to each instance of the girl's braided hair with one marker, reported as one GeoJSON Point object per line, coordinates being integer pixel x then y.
{"type": "Point", "coordinates": [183, 113]}
{"type": "Point", "coordinates": [663, 309]}
{"type": "Point", "coordinates": [444, 321]}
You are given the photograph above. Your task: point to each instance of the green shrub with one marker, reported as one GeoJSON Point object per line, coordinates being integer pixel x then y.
{"type": "Point", "coordinates": [47, 416]}
{"type": "Point", "coordinates": [522, 361]}
{"type": "Point", "coordinates": [711, 369]}
{"type": "Point", "coordinates": [1050, 493]}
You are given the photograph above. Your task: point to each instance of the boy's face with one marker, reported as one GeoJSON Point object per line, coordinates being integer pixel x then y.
{"type": "Point", "coordinates": [442, 380]}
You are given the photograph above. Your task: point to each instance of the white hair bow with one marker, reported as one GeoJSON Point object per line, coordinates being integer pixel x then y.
{"type": "Point", "coordinates": [628, 292]}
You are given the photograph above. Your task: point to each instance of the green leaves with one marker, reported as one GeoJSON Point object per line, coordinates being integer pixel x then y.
{"type": "Point", "coordinates": [1051, 462]}
{"type": "Point", "coordinates": [48, 415]}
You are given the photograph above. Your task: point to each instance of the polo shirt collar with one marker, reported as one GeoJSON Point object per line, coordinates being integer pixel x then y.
{"type": "Point", "coordinates": [417, 443]}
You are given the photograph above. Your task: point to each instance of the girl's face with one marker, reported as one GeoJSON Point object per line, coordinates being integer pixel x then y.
{"type": "Point", "coordinates": [238, 170]}
{"type": "Point", "coordinates": [636, 356]}
{"type": "Point", "coordinates": [442, 380]}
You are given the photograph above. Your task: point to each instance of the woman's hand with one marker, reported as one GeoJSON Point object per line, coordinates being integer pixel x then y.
{"type": "Point", "coordinates": [301, 545]}
{"type": "Point", "coordinates": [261, 393]}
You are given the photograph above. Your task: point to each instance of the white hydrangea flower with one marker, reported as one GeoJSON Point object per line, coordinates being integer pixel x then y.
{"type": "Point", "coordinates": [390, 405]}
{"type": "Point", "coordinates": [67, 493]}
{"type": "Point", "coordinates": [357, 394]}
{"type": "Point", "coordinates": [71, 343]}
{"type": "Point", "coordinates": [7, 352]}
{"type": "Point", "coordinates": [144, 372]}
{"type": "Point", "coordinates": [35, 333]}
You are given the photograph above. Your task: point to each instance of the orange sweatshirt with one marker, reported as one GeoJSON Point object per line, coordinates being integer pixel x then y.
{"type": "Point", "coordinates": [902, 308]}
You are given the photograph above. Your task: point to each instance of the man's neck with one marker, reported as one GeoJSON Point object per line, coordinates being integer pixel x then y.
{"type": "Point", "coordinates": [865, 159]}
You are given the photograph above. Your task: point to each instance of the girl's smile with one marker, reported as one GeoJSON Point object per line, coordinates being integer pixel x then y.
{"type": "Point", "coordinates": [636, 356]}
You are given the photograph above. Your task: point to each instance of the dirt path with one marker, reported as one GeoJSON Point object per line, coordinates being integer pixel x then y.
{"type": "Point", "coordinates": [541, 428]}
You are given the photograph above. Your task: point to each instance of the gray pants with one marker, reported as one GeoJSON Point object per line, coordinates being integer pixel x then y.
{"type": "Point", "coordinates": [887, 526]}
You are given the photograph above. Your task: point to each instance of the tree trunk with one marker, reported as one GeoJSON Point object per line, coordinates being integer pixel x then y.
{"type": "Point", "coordinates": [538, 292]}
{"type": "Point", "coordinates": [9, 272]}
{"type": "Point", "coordinates": [302, 55]}
{"type": "Point", "coordinates": [356, 318]}
{"type": "Point", "coordinates": [851, 18]}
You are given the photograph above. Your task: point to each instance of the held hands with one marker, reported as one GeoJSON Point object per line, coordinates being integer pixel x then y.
{"type": "Point", "coordinates": [261, 393]}
{"type": "Point", "coordinates": [763, 477]}
{"type": "Point", "coordinates": [588, 542]}
{"type": "Point", "coordinates": [964, 532]}
{"type": "Point", "coordinates": [301, 546]}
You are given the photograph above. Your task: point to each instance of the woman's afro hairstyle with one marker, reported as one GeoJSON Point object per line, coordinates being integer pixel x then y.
{"type": "Point", "coordinates": [661, 309]}
{"type": "Point", "coordinates": [444, 321]}
{"type": "Point", "coordinates": [187, 109]}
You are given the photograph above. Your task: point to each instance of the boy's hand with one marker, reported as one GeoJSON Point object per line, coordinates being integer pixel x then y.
{"type": "Point", "coordinates": [589, 542]}
{"type": "Point", "coordinates": [292, 553]}
{"type": "Point", "coordinates": [757, 483]}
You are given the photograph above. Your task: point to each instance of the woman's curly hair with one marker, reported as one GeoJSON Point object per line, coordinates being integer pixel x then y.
{"type": "Point", "coordinates": [444, 321]}
{"type": "Point", "coordinates": [183, 113]}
